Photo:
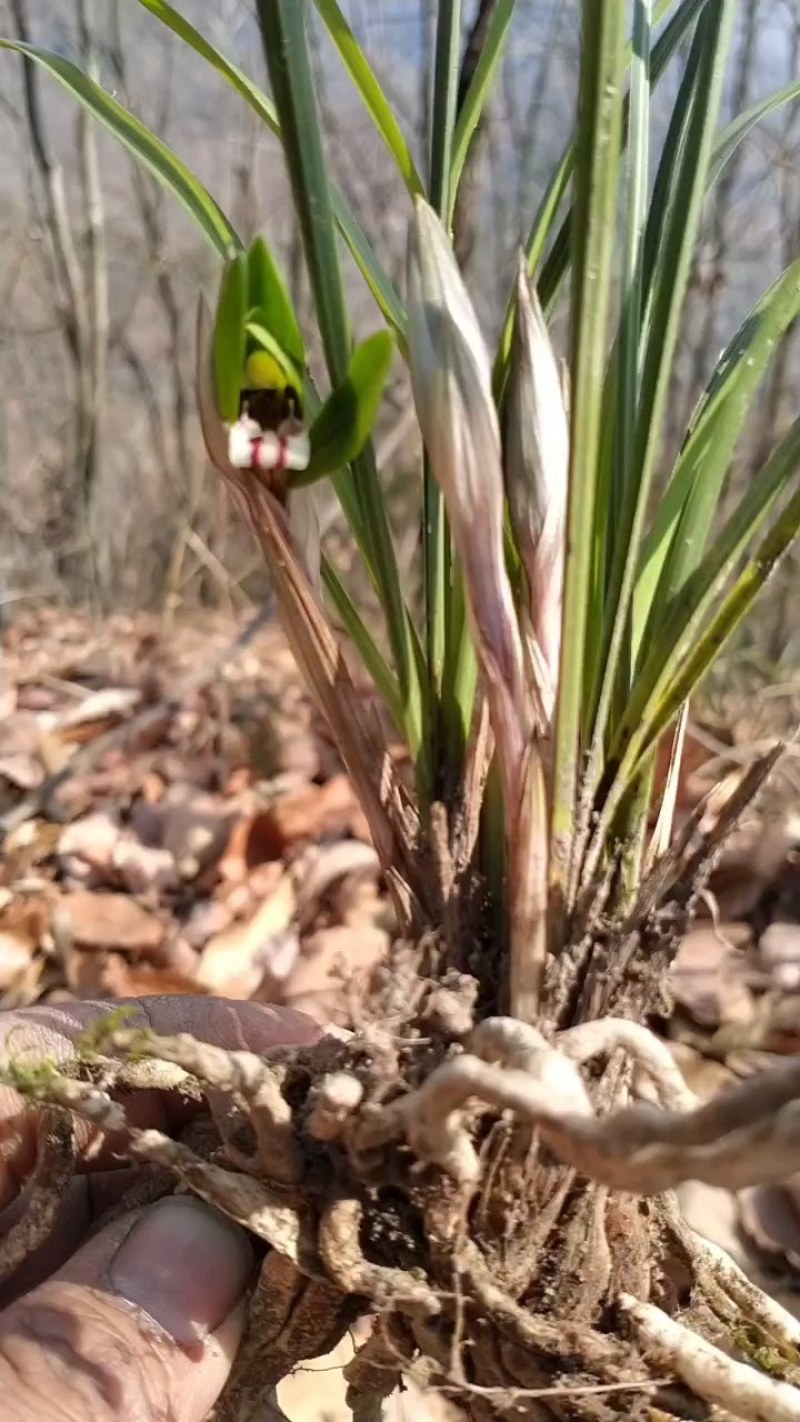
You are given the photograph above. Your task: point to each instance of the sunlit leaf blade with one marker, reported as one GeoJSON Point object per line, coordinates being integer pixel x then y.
{"type": "Point", "coordinates": [608, 660]}
{"type": "Point", "coordinates": [663, 259]}
{"type": "Point", "coordinates": [376, 278]}
{"type": "Point", "coordinates": [436, 543]}
{"type": "Point", "coordinates": [480, 88]}
{"type": "Point", "coordinates": [267, 292]}
{"type": "Point", "coordinates": [144, 145]}
{"type": "Point", "coordinates": [732, 610]}
{"type": "Point", "coordinates": [229, 338]}
{"type": "Point", "coordinates": [370, 91]}
{"type": "Point", "coordinates": [594, 237]}
{"type": "Point", "coordinates": [286, 49]}
{"type": "Point", "coordinates": [383, 290]}
{"type": "Point", "coordinates": [691, 605]}
{"type": "Point", "coordinates": [737, 131]}
{"type": "Point", "coordinates": [345, 422]}
{"type": "Point", "coordinates": [680, 529]}
{"type": "Point", "coordinates": [365, 644]}
{"type": "Point", "coordinates": [701, 619]}
{"type": "Point", "coordinates": [554, 268]}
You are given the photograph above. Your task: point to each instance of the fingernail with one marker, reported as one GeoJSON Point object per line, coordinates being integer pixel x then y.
{"type": "Point", "coordinates": [185, 1265]}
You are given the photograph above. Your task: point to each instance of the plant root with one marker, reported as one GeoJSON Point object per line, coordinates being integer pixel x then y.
{"type": "Point", "coordinates": [43, 1194]}
{"type": "Point", "coordinates": [498, 1201]}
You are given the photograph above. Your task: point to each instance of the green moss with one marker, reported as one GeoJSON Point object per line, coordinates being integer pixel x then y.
{"type": "Point", "coordinates": [29, 1078]}
{"type": "Point", "coordinates": [766, 1353]}
{"type": "Point", "coordinates": [91, 1042]}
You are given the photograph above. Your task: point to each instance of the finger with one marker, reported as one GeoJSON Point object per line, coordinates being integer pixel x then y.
{"type": "Point", "coordinates": [142, 1323]}
{"type": "Point", "coordinates": [50, 1032]}
{"type": "Point", "coordinates": [85, 1200]}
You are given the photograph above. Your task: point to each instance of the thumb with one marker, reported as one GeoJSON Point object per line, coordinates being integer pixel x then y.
{"type": "Point", "coordinates": [142, 1324]}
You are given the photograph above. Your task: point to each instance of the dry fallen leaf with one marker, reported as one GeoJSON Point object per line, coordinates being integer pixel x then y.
{"type": "Point", "coordinates": [332, 958]}
{"type": "Point", "coordinates": [16, 953]}
{"type": "Point", "coordinates": [708, 976]}
{"type": "Point", "coordinates": [90, 839]}
{"type": "Point", "coordinates": [100, 920]}
{"type": "Point", "coordinates": [235, 962]}
{"type": "Point", "coordinates": [143, 869]}
{"type": "Point", "coordinates": [97, 713]}
{"type": "Point", "coordinates": [315, 813]}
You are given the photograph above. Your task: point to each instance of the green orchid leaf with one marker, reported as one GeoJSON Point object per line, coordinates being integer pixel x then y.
{"type": "Point", "coordinates": [345, 422]}
{"type": "Point", "coordinates": [228, 352]}
{"type": "Point", "coordinates": [268, 293]}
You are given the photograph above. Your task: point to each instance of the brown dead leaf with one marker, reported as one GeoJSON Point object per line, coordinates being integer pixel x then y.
{"type": "Point", "coordinates": [317, 812]}
{"type": "Point", "coordinates": [708, 976]}
{"type": "Point", "coordinates": [779, 955]}
{"type": "Point", "coordinates": [143, 869]}
{"type": "Point", "coordinates": [253, 841]}
{"type": "Point", "coordinates": [90, 839]}
{"type": "Point", "coordinates": [768, 1217]}
{"type": "Point", "coordinates": [16, 953]}
{"type": "Point", "coordinates": [22, 770]}
{"type": "Point", "coordinates": [97, 713]}
{"type": "Point", "coordinates": [98, 921]}
{"type": "Point", "coordinates": [331, 959]}
{"type": "Point", "coordinates": [119, 978]}
{"type": "Point", "coordinates": [195, 827]}
{"type": "Point", "coordinates": [753, 858]}
{"type": "Point", "coordinates": [235, 962]}
{"type": "Point", "coordinates": [326, 865]}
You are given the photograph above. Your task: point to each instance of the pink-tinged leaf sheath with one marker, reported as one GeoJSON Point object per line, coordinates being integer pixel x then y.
{"type": "Point", "coordinates": [451, 378]}
{"type": "Point", "coordinates": [536, 468]}
{"type": "Point", "coordinates": [452, 391]}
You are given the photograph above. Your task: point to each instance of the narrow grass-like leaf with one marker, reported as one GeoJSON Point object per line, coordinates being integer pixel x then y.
{"type": "Point", "coordinates": [371, 93]}
{"type": "Point", "coordinates": [621, 480]}
{"type": "Point", "coordinates": [633, 260]}
{"type": "Point", "coordinates": [444, 101]}
{"type": "Point", "coordinates": [671, 234]}
{"type": "Point", "coordinates": [594, 236]}
{"type": "Point", "coordinates": [694, 631]}
{"type": "Point", "coordinates": [345, 422]}
{"type": "Point", "coordinates": [555, 267]}
{"type": "Point", "coordinates": [737, 131]}
{"type": "Point", "coordinates": [373, 273]}
{"type": "Point", "coordinates": [364, 643]}
{"type": "Point", "coordinates": [229, 337]}
{"type": "Point", "coordinates": [145, 146]}
{"type": "Point", "coordinates": [680, 529]}
{"type": "Point", "coordinates": [382, 288]}
{"type": "Point", "coordinates": [478, 92]}
{"type": "Point", "coordinates": [705, 650]}
{"type": "Point", "coordinates": [286, 49]}
{"type": "Point", "coordinates": [435, 533]}
{"type": "Point", "coordinates": [267, 291]}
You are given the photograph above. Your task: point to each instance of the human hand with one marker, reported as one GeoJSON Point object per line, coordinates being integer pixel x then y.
{"type": "Point", "coordinates": [143, 1320]}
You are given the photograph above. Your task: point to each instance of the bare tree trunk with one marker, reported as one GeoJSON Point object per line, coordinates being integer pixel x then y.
{"type": "Point", "coordinates": [80, 277]}
{"type": "Point", "coordinates": [177, 446]}
{"type": "Point", "coordinates": [94, 368]}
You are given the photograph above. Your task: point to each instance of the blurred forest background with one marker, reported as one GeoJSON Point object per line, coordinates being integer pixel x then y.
{"type": "Point", "coordinates": [104, 499]}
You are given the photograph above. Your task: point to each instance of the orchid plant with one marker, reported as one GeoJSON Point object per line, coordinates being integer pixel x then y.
{"type": "Point", "coordinates": [577, 584]}
{"type": "Point", "coordinates": [560, 601]}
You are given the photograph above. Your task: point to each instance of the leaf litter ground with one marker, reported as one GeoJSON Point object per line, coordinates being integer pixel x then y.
{"type": "Point", "coordinates": [176, 821]}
